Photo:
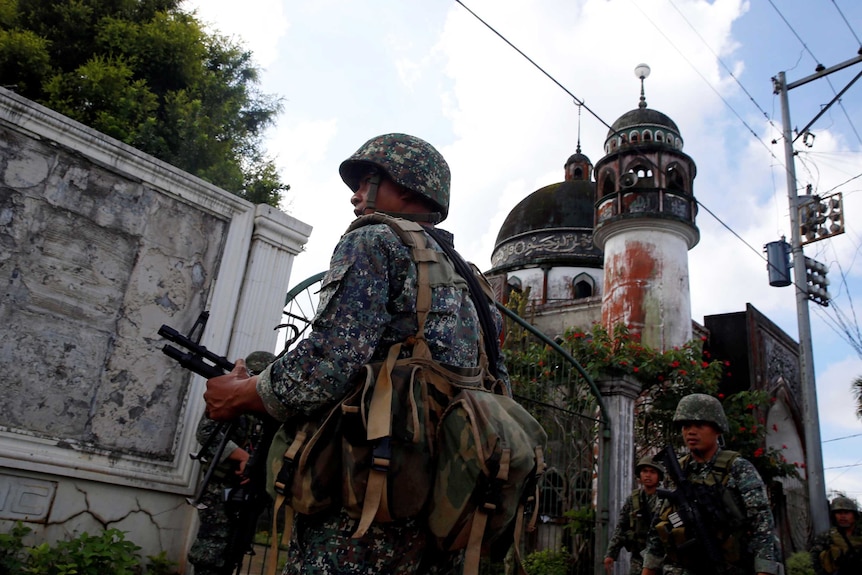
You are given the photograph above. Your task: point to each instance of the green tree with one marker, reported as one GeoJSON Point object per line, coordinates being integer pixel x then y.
{"type": "Point", "coordinates": [146, 73]}
{"type": "Point", "coordinates": [857, 391]}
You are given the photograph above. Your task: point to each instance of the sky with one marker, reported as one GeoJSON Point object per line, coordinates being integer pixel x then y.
{"type": "Point", "coordinates": [347, 71]}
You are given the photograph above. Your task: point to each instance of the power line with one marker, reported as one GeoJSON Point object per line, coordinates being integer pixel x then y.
{"type": "Point", "coordinates": [804, 45]}
{"type": "Point", "coordinates": [848, 25]}
{"type": "Point", "coordinates": [820, 67]}
{"type": "Point", "coordinates": [844, 466]}
{"type": "Point", "coordinates": [723, 65]}
{"type": "Point", "coordinates": [581, 103]}
{"type": "Point", "coordinates": [708, 83]}
{"type": "Point", "coordinates": [577, 100]}
{"type": "Point", "coordinates": [840, 438]}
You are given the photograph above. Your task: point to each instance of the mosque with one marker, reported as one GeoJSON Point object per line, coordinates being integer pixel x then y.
{"type": "Point", "coordinates": [610, 244]}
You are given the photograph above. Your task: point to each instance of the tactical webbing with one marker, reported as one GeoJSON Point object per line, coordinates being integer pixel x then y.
{"type": "Point", "coordinates": [379, 426]}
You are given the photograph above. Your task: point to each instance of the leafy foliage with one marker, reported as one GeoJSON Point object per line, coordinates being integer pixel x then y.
{"type": "Point", "coordinates": [108, 552]}
{"type": "Point", "coordinates": [146, 73]}
{"type": "Point", "coordinates": [857, 392]}
{"type": "Point", "coordinates": [548, 562]}
{"type": "Point", "coordinates": [800, 564]}
{"type": "Point", "coordinates": [665, 377]}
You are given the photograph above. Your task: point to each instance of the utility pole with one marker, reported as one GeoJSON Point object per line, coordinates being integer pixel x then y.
{"type": "Point", "coordinates": [811, 420]}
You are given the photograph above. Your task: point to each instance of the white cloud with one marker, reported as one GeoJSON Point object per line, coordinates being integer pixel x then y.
{"type": "Point", "coordinates": [349, 71]}
{"type": "Point", "coordinates": [257, 24]}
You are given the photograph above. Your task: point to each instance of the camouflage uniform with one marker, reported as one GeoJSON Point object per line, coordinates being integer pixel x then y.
{"type": "Point", "coordinates": [367, 304]}
{"type": "Point", "coordinates": [759, 543]}
{"type": "Point", "coordinates": [207, 552]}
{"type": "Point", "coordinates": [830, 552]}
{"type": "Point", "coordinates": [214, 533]}
{"type": "Point", "coordinates": [627, 535]}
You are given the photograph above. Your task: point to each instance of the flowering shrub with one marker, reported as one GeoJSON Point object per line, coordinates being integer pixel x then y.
{"type": "Point", "coordinates": [665, 377]}
{"type": "Point", "coordinates": [746, 418]}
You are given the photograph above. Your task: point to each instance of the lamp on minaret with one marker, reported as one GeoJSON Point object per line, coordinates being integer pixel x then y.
{"type": "Point", "coordinates": [645, 224]}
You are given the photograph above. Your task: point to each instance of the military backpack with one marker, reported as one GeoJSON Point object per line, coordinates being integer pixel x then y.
{"type": "Point", "coordinates": [416, 438]}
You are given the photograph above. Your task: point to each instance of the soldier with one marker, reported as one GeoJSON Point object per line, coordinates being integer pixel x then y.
{"type": "Point", "coordinates": [839, 550]}
{"type": "Point", "coordinates": [732, 501]}
{"type": "Point", "coordinates": [367, 304]}
{"type": "Point", "coordinates": [636, 516]}
{"type": "Point", "coordinates": [207, 553]}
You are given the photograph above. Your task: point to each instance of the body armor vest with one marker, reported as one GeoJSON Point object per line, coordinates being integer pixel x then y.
{"type": "Point", "coordinates": [838, 557]}
{"type": "Point", "coordinates": [724, 515]}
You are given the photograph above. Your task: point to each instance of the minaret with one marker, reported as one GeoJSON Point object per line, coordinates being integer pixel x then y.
{"type": "Point", "coordinates": [645, 224]}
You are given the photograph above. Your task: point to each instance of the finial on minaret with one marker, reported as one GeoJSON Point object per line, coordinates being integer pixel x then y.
{"type": "Point", "coordinates": [578, 148]}
{"type": "Point", "coordinates": [642, 71]}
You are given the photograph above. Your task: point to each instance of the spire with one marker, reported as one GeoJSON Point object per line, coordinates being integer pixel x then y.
{"type": "Point", "coordinates": [642, 71]}
{"type": "Point", "coordinates": [578, 148]}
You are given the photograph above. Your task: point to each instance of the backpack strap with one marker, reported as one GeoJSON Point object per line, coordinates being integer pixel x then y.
{"type": "Point", "coordinates": [723, 462]}
{"type": "Point", "coordinates": [412, 236]}
{"type": "Point", "coordinates": [379, 427]}
{"type": "Point", "coordinates": [480, 296]}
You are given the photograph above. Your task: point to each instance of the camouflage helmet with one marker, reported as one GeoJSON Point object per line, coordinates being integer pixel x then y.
{"type": "Point", "coordinates": [842, 503]}
{"type": "Point", "coordinates": [701, 407]}
{"type": "Point", "coordinates": [647, 461]}
{"type": "Point", "coordinates": [408, 161]}
{"type": "Point", "coordinates": [257, 361]}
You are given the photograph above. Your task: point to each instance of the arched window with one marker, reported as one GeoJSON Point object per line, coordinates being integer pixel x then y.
{"type": "Point", "coordinates": [634, 137]}
{"type": "Point", "coordinates": [647, 136]}
{"type": "Point", "coordinates": [583, 286]}
{"type": "Point", "coordinates": [514, 283]}
{"type": "Point", "coordinates": [659, 136]}
{"type": "Point", "coordinates": [608, 184]}
{"type": "Point", "coordinates": [676, 179]}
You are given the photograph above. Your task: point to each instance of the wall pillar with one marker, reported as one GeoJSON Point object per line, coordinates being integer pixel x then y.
{"type": "Point", "coordinates": [619, 395]}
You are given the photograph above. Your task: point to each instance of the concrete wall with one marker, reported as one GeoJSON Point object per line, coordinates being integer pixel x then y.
{"type": "Point", "coordinates": [99, 246]}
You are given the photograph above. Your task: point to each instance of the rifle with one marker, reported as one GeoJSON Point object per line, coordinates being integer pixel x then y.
{"type": "Point", "coordinates": [850, 562]}
{"type": "Point", "coordinates": [687, 501]}
{"type": "Point", "coordinates": [244, 503]}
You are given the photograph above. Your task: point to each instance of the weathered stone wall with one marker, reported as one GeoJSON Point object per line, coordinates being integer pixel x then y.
{"type": "Point", "coordinates": [99, 246]}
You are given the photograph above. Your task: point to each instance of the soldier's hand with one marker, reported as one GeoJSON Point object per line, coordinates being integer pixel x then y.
{"type": "Point", "coordinates": [230, 395]}
{"type": "Point", "coordinates": [241, 457]}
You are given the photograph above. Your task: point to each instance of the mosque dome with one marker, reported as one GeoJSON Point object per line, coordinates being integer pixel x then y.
{"type": "Point", "coordinates": [643, 126]}
{"type": "Point", "coordinates": [552, 226]}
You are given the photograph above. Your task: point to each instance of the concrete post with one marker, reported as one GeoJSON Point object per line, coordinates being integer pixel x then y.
{"type": "Point", "coordinates": [619, 395]}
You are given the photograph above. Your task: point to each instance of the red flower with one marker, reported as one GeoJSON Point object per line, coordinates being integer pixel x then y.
{"type": "Point", "coordinates": [741, 428]}
{"type": "Point", "coordinates": [635, 369]}
{"type": "Point", "coordinates": [784, 447]}
{"type": "Point", "coordinates": [703, 338]}
{"type": "Point", "coordinates": [675, 364]}
{"type": "Point", "coordinates": [720, 396]}
{"type": "Point", "coordinates": [661, 378]}
{"type": "Point", "coordinates": [758, 452]}
{"type": "Point", "coordinates": [726, 364]}
{"type": "Point", "coordinates": [704, 365]}
{"type": "Point", "coordinates": [750, 406]}
{"type": "Point", "coordinates": [683, 372]}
